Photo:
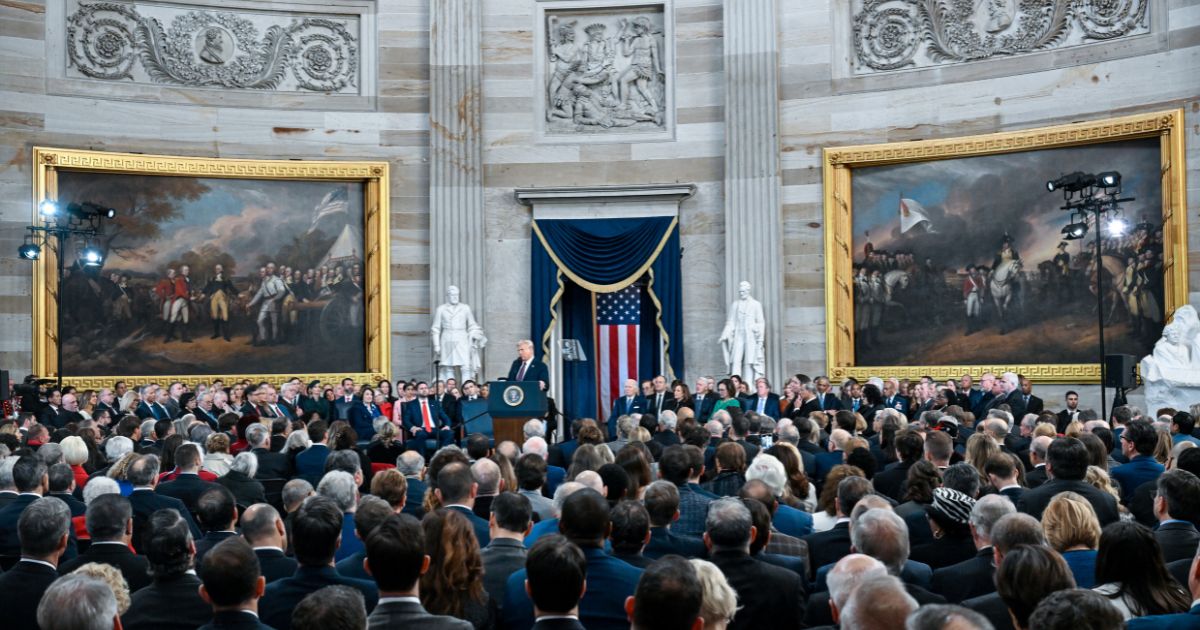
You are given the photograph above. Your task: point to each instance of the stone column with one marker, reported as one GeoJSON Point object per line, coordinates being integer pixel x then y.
{"type": "Point", "coordinates": [753, 226]}
{"type": "Point", "coordinates": [456, 252]}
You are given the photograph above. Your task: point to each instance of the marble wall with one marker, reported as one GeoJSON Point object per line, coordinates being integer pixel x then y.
{"type": "Point", "coordinates": [821, 104]}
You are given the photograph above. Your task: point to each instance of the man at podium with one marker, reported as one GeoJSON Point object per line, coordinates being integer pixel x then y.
{"type": "Point", "coordinates": [526, 368]}
{"type": "Point", "coordinates": [424, 419]}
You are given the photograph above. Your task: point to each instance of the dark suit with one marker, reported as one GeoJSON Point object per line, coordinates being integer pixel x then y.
{"type": "Point", "coordinates": [817, 613]}
{"type": "Point", "coordinates": [206, 417]}
{"type": "Point", "coordinates": [1034, 501]}
{"type": "Point", "coordinates": [237, 619]}
{"type": "Point", "coordinates": [1141, 469]}
{"type": "Point", "coordinates": [111, 409]}
{"type": "Point", "coordinates": [1014, 494]}
{"type": "Point", "coordinates": [825, 463]}
{"type": "Point", "coordinates": [352, 566]}
{"type": "Point", "coordinates": [537, 371]}
{"type": "Point", "coordinates": [275, 607]}
{"type": "Point", "coordinates": [704, 407]}
{"type": "Point", "coordinates": [414, 418]}
{"type": "Point", "coordinates": [1189, 620]}
{"type": "Point", "coordinates": [482, 531]}
{"type": "Point", "coordinates": [77, 507]}
{"type": "Point", "coordinates": [10, 515]}
{"type": "Point", "coordinates": [890, 481]}
{"type": "Point", "coordinates": [310, 463]}
{"type": "Point", "coordinates": [624, 406]}
{"type": "Point", "coordinates": [770, 405]}
{"type": "Point", "coordinates": [501, 558]}
{"type": "Point", "coordinates": [899, 403]}
{"type": "Point", "coordinates": [1015, 401]}
{"type": "Point", "coordinates": [1064, 418]}
{"type": "Point", "coordinates": [1178, 540]}
{"type": "Point", "coordinates": [1032, 405]}
{"type": "Point", "coordinates": [187, 487]}
{"type": "Point", "coordinates": [967, 579]}
{"type": "Point", "coordinates": [945, 552]}
{"type": "Point", "coordinates": [362, 419]}
{"type": "Point", "coordinates": [1035, 477]}
{"type": "Point", "coordinates": [171, 604]}
{"type": "Point", "coordinates": [415, 497]}
{"type": "Point", "coordinates": [663, 542]}
{"type": "Point", "coordinates": [993, 608]}
{"type": "Point", "coordinates": [656, 403]}
{"type": "Point", "coordinates": [146, 502]}
{"type": "Point", "coordinates": [609, 580]}
{"type": "Point", "coordinates": [135, 569]}
{"type": "Point", "coordinates": [272, 465]}
{"type": "Point", "coordinates": [341, 407]}
{"type": "Point", "coordinates": [246, 491]}
{"type": "Point", "coordinates": [210, 540]}
{"type": "Point", "coordinates": [828, 546]}
{"type": "Point", "coordinates": [274, 565]}
{"type": "Point", "coordinates": [411, 615]}
{"type": "Point", "coordinates": [21, 589]}
{"type": "Point", "coordinates": [768, 596]}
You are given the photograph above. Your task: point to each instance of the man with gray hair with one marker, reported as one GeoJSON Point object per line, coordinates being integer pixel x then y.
{"type": "Point", "coordinates": [625, 427]}
{"type": "Point", "coordinates": [845, 576]}
{"type": "Point", "coordinates": [946, 617]}
{"type": "Point", "coordinates": [724, 418]}
{"type": "Point", "coordinates": [8, 491]}
{"type": "Point", "coordinates": [78, 602]}
{"type": "Point", "coordinates": [1037, 457]}
{"type": "Point", "coordinates": [270, 465]}
{"type": "Point", "coordinates": [240, 480]}
{"type": "Point", "coordinates": [116, 447]}
{"type": "Point", "coordinates": [976, 576]}
{"type": "Point", "coordinates": [412, 466]}
{"type": "Point", "coordinates": [550, 526]}
{"type": "Point", "coordinates": [487, 476]}
{"type": "Point", "coordinates": [1007, 533]}
{"type": "Point", "coordinates": [768, 596]}
{"type": "Point", "coordinates": [341, 487]}
{"type": "Point", "coordinates": [44, 531]}
{"type": "Point", "coordinates": [879, 603]}
{"type": "Point", "coordinates": [665, 435]}
{"type": "Point", "coordinates": [534, 428]}
{"type": "Point", "coordinates": [787, 519]}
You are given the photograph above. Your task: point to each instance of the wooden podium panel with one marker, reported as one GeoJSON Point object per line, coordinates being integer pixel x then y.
{"type": "Point", "coordinates": [511, 404]}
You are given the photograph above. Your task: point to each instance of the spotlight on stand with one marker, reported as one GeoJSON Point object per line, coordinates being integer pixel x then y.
{"type": "Point", "coordinates": [1109, 179]}
{"type": "Point", "coordinates": [97, 209]}
{"type": "Point", "coordinates": [1074, 231]}
{"type": "Point", "coordinates": [1072, 182]}
{"type": "Point", "coordinates": [29, 251]}
{"type": "Point", "coordinates": [48, 208]}
{"type": "Point", "coordinates": [1117, 227]}
{"type": "Point", "coordinates": [91, 256]}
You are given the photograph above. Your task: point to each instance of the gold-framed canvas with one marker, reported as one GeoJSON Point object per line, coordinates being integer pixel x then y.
{"type": "Point", "coordinates": [302, 289]}
{"type": "Point", "coordinates": [944, 211]}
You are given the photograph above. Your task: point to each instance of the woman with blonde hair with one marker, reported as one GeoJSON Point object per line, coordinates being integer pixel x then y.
{"type": "Point", "coordinates": [1073, 530]}
{"type": "Point", "coordinates": [216, 456]}
{"type": "Point", "coordinates": [1098, 478]}
{"type": "Point", "coordinates": [384, 448]}
{"type": "Point", "coordinates": [75, 454]}
{"type": "Point", "coordinates": [453, 585]}
{"type": "Point", "coordinates": [1162, 452]}
{"type": "Point", "coordinates": [826, 514]}
{"type": "Point", "coordinates": [980, 448]}
{"type": "Point", "coordinates": [718, 602]}
{"type": "Point", "coordinates": [112, 577]}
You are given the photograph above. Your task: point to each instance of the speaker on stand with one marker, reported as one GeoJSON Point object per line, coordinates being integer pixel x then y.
{"type": "Point", "coordinates": [1120, 373]}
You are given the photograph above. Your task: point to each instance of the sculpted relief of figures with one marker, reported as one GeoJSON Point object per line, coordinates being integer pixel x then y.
{"type": "Point", "coordinates": [154, 43]}
{"type": "Point", "coordinates": [605, 71]}
{"type": "Point", "coordinates": [907, 34]}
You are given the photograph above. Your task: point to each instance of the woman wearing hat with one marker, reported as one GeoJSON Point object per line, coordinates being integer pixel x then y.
{"type": "Point", "coordinates": [314, 400]}
{"type": "Point", "coordinates": [949, 517]}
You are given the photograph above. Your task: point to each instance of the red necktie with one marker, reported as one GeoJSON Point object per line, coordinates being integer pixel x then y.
{"type": "Point", "coordinates": [425, 416]}
{"type": "Point", "coordinates": [521, 372]}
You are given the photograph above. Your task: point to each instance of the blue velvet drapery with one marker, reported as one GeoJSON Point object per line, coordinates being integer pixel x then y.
{"type": "Point", "coordinates": [604, 255]}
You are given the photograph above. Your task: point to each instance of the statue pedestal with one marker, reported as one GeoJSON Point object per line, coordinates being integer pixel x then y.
{"type": "Point", "coordinates": [1174, 387]}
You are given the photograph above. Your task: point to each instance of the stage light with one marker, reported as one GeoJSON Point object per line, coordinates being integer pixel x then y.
{"type": "Point", "coordinates": [1117, 227]}
{"type": "Point", "coordinates": [91, 256]}
{"type": "Point", "coordinates": [1109, 179]}
{"type": "Point", "coordinates": [1073, 182]}
{"type": "Point", "coordinates": [1074, 231]}
{"type": "Point", "coordinates": [48, 208]}
{"type": "Point", "coordinates": [29, 251]}
{"type": "Point", "coordinates": [97, 209]}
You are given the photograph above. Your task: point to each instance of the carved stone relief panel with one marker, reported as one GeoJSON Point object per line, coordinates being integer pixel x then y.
{"type": "Point", "coordinates": [895, 35]}
{"type": "Point", "coordinates": [296, 48]}
{"type": "Point", "coordinates": [605, 71]}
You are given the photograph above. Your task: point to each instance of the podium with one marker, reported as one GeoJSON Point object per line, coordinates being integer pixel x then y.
{"type": "Point", "coordinates": [511, 404]}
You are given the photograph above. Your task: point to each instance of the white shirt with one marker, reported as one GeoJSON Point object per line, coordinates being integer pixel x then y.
{"type": "Point", "coordinates": [389, 600]}
{"type": "Point", "coordinates": [23, 559]}
{"type": "Point", "coordinates": [268, 548]}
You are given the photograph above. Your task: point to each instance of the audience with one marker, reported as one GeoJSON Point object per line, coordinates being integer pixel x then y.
{"type": "Point", "coordinates": [396, 560]}
{"type": "Point", "coordinates": [1131, 574]}
{"type": "Point", "coordinates": [232, 584]}
{"type": "Point", "coordinates": [1028, 574]}
{"type": "Point", "coordinates": [42, 530]}
{"type": "Point", "coordinates": [74, 602]}
{"type": "Point", "coordinates": [110, 526]}
{"type": "Point", "coordinates": [668, 597]}
{"type": "Point", "coordinates": [718, 602]}
{"type": "Point", "coordinates": [453, 585]}
{"type": "Point", "coordinates": [1073, 531]}
{"type": "Point", "coordinates": [333, 607]}
{"type": "Point", "coordinates": [556, 578]}
{"type": "Point", "coordinates": [1073, 609]}
{"type": "Point", "coordinates": [878, 603]}
{"type": "Point", "coordinates": [173, 598]}
{"type": "Point", "coordinates": [505, 554]}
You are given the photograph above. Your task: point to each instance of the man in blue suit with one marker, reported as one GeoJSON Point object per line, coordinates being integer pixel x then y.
{"type": "Point", "coordinates": [631, 403]}
{"type": "Point", "coordinates": [892, 398]}
{"type": "Point", "coordinates": [456, 490]}
{"type": "Point", "coordinates": [764, 402]}
{"type": "Point", "coordinates": [527, 368]}
{"type": "Point", "coordinates": [826, 399]}
{"type": "Point", "coordinates": [424, 420]}
{"type": "Point", "coordinates": [310, 463]}
{"type": "Point", "coordinates": [143, 474]}
{"type": "Point", "coordinates": [662, 503]}
{"type": "Point", "coordinates": [32, 482]}
{"type": "Point", "coordinates": [585, 522]}
{"type": "Point", "coordinates": [1138, 442]}
{"type": "Point", "coordinates": [703, 399]}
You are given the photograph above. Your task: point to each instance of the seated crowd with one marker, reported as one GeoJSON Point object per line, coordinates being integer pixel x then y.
{"type": "Point", "coordinates": [886, 504]}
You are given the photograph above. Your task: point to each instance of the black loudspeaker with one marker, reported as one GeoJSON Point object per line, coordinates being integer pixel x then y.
{"type": "Point", "coordinates": [1120, 371]}
{"type": "Point", "coordinates": [4, 393]}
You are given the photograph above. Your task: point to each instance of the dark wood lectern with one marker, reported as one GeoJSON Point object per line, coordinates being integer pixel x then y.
{"type": "Point", "coordinates": [511, 404]}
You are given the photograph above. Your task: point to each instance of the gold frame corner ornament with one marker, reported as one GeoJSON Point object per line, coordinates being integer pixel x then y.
{"type": "Point", "coordinates": [374, 175]}
{"type": "Point", "coordinates": [838, 167]}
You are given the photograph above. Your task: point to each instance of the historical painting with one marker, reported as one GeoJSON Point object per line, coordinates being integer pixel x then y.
{"type": "Point", "coordinates": [605, 70]}
{"type": "Point", "coordinates": [964, 261]}
{"type": "Point", "coordinates": [209, 275]}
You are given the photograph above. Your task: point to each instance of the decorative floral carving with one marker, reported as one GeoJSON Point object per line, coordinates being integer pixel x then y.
{"type": "Point", "coordinates": [903, 34]}
{"type": "Point", "coordinates": [208, 48]}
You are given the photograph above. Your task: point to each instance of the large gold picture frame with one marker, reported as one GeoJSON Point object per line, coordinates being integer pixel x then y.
{"type": "Point", "coordinates": [841, 163]}
{"type": "Point", "coordinates": [49, 163]}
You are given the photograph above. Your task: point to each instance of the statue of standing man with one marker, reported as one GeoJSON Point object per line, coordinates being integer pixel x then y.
{"type": "Point", "coordinates": [457, 338]}
{"type": "Point", "coordinates": [742, 339]}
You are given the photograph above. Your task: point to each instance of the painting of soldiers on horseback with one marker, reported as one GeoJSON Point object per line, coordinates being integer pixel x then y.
{"type": "Point", "coordinates": [964, 261]}
{"type": "Point", "coordinates": [216, 276]}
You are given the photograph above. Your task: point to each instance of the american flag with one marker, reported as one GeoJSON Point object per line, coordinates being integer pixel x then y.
{"type": "Point", "coordinates": [618, 319]}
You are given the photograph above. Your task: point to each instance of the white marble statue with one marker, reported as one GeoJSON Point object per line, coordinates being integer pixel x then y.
{"type": "Point", "coordinates": [1171, 372]}
{"type": "Point", "coordinates": [457, 338]}
{"type": "Point", "coordinates": [742, 339]}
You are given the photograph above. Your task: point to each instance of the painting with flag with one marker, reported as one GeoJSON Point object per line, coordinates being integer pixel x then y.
{"type": "Point", "coordinates": [913, 215]}
{"type": "Point", "coordinates": [618, 327]}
